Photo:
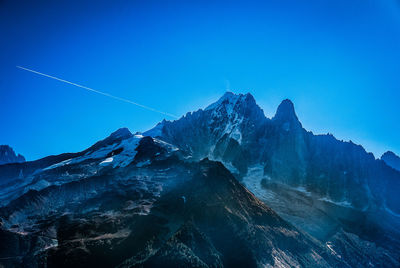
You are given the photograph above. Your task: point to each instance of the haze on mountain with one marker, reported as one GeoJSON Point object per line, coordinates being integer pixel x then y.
{"type": "Point", "coordinates": [220, 187]}
{"type": "Point", "coordinates": [7, 155]}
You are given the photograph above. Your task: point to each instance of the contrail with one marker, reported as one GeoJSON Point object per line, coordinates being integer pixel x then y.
{"type": "Point", "coordinates": [98, 92]}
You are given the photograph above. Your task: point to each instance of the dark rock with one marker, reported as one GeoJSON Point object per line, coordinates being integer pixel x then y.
{"type": "Point", "coordinates": [391, 159]}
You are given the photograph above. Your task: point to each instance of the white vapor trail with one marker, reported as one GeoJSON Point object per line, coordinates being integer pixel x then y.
{"type": "Point", "coordinates": [98, 92]}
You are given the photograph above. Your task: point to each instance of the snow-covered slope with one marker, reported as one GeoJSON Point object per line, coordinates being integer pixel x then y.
{"type": "Point", "coordinates": [117, 150]}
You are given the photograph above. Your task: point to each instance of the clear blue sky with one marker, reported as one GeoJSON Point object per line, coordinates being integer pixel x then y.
{"type": "Point", "coordinates": [337, 60]}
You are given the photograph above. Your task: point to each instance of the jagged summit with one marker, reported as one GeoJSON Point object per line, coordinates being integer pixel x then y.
{"type": "Point", "coordinates": [121, 133]}
{"type": "Point", "coordinates": [285, 111]}
{"type": "Point", "coordinates": [391, 159]}
{"type": "Point", "coordinates": [7, 155]}
{"type": "Point", "coordinates": [116, 136]}
{"type": "Point", "coordinates": [155, 131]}
{"type": "Point", "coordinates": [388, 154]}
{"type": "Point", "coordinates": [234, 107]}
{"type": "Point", "coordinates": [286, 116]}
{"type": "Point", "coordinates": [227, 98]}
{"type": "Point", "coordinates": [231, 99]}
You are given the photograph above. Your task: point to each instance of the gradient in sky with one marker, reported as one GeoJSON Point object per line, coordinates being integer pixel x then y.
{"type": "Point", "coordinates": [338, 61]}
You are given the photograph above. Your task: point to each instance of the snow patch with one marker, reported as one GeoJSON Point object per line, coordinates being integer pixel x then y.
{"type": "Point", "coordinates": [252, 181]}
{"type": "Point", "coordinates": [303, 190]}
{"type": "Point", "coordinates": [106, 161]}
{"type": "Point", "coordinates": [168, 146]}
{"type": "Point", "coordinates": [60, 164]}
{"type": "Point", "coordinates": [230, 167]}
{"type": "Point", "coordinates": [237, 135]}
{"type": "Point", "coordinates": [330, 246]}
{"type": "Point", "coordinates": [37, 186]}
{"type": "Point", "coordinates": [341, 203]}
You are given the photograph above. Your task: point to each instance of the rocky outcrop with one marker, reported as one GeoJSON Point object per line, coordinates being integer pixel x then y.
{"type": "Point", "coordinates": [391, 159]}
{"type": "Point", "coordinates": [7, 155]}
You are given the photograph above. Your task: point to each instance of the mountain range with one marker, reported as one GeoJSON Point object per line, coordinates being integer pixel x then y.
{"type": "Point", "coordinates": [220, 187]}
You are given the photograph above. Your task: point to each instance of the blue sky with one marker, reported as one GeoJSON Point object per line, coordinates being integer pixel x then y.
{"type": "Point", "coordinates": [338, 61]}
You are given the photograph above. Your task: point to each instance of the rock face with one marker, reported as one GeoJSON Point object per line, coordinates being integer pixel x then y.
{"type": "Point", "coordinates": [391, 159]}
{"type": "Point", "coordinates": [7, 155]}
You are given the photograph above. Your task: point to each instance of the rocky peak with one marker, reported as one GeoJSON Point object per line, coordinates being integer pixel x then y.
{"type": "Point", "coordinates": [148, 149]}
{"type": "Point", "coordinates": [285, 111]}
{"type": "Point", "coordinates": [287, 115]}
{"type": "Point", "coordinates": [7, 155]}
{"type": "Point", "coordinates": [227, 99]}
{"type": "Point", "coordinates": [122, 133]}
{"type": "Point", "coordinates": [391, 159]}
{"type": "Point", "coordinates": [155, 131]}
{"type": "Point", "coordinates": [115, 137]}
{"type": "Point", "coordinates": [236, 106]}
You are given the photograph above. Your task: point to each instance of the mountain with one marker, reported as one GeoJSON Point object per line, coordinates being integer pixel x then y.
{"type": "Point", "coordinates": [329, 188]}
{"type": "Point", "coordinates": [219, 131]}
{"type": "Point", "coordinates": [185, 230]}
{"type": "Point", "coordinates": [7, 155]}
{"type": "Point", "coordinates": [220, 187]}
{"type": "Point", "coordinates": [135, 201]}
{"type": "Point", "coordinates": [234, 130]}
{"type": "Point", "coordinates": [391, 159]}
